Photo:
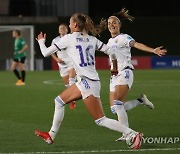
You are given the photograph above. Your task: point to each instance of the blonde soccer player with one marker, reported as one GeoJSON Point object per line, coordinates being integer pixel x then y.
{"type": "Point", "coordinates": [81, 49]}
{"type": "Point", "coordinates": [20, 48]}
{"type": "Point", "coordinates": [122, 68]}
{"type": "Point", "coordinates": [66, 68]}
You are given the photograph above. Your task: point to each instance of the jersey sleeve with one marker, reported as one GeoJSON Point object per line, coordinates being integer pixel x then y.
{"type": "Point", "coordinates": [100, 46]}
{"type": "Point", "coordinates": [53, 41]}
{"type": "Point", "coordinates": [127, 40]}
{"type": "Point", "coordinates": [46, 51]}
{"type": "Point", "coordinates": [106, 49]}
{"type": "Point", "coordinates": [62, 43]}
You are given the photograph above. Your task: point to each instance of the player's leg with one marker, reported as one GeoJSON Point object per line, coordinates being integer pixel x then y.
{"type": "Point", "coordinates": [67, 96]}
{"type": "Point", "coordinates": [93, 104]}
{"type": "Point", "coordinates": [111, 100]}
{"type": "Point", "coordinates": [65, 76]}
{"type": "Point", "coordinates": [66, 80]}
{"type": "Point", "coordinates": [72, 80]}
{"type": "Point", "coordinates": [14, 66]}
{"type": "Point", "coordinates": [91, 98]}
{"type": "Point", "coordinates": [120, 94]}
{"type": "Point", "coordinates": [111, 93]}
{"type": "Point", "coordinates": [23, 70]}
{"type": "Point", "coordinates": [70, 94]}
{"type": "Point", "coordinates": [72, 76]}
{"type": "Point", "coordinates": [123, 83]}
{"type": "Point", "coordinates": [142, 100]}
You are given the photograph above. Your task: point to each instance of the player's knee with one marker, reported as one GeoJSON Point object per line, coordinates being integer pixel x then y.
{"type": "Point", "coordinates": [59, 101]}
{"type": "Point", "coordinates": [99, 121]}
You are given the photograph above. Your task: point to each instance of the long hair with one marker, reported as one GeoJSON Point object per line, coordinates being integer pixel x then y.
{"type": "Point", "coordinates": [84, 22]}
{"type": "Point", "coordinates": [123, 15]}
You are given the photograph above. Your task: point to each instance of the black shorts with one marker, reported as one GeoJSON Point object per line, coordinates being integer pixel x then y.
{"type": "Point", "coordinates": [20, 60]}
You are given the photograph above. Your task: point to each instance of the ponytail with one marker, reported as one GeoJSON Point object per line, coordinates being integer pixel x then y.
{"type": "Point", "coordinates": [86, 23]}
{"type": "Point", "coordinates": [93, 28]}
{"type": "Point", "coordinates": [123, 15]}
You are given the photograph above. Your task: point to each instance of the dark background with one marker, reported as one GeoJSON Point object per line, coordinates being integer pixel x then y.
{"type": "Point", "coordinates": [105, 7]}
{"type": "Point", "coordinates": [157, 22]}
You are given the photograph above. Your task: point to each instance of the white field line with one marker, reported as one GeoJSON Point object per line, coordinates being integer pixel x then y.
{"type": "Point", "coordinates": [53, 82]}
{"type": "Point", "coordinates": [98, 151]}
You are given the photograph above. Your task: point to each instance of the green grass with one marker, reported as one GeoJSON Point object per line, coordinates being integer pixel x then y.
{"type": "Point", "coordinates": [24, 109]}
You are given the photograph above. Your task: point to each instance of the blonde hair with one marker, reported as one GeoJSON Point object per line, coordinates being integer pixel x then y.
{"type": "Point", "coordinates": [84, 22]}
{"type": "Point", "coordinates": [123, 15]}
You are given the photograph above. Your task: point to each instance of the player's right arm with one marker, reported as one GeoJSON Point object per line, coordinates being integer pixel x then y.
{"type": "Point", "coordinates": [114, 70]}
{"type": "Point", "coordinates": [44, 50]}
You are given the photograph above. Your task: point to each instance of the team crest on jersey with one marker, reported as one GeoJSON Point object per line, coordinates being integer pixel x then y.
{"type": "Point", "coordinates": [116, 41]}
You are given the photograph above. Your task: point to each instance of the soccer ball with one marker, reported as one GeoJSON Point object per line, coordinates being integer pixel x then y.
{"type": "Point", "coordinates": [134, 140]}
{"type": "Point", "coordinates": [130, 139]}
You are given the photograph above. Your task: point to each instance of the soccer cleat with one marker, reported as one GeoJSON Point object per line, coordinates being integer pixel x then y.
{"type": "Point", "coordinates": [146, 102]}
{"type": "Point", "coordinates": [72, 105]}
{"type": "Point", "coordinates": [122, 138]}
{"type": "Point", "coordinates": [45, 135]}
{"type": "Point", "coordinates": [134, 140]}
{"type": "Point", "coordinates": [20, 83]}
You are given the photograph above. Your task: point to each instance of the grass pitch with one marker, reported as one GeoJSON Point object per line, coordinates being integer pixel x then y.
{"type": "Point", "coordinates": [24, 109]}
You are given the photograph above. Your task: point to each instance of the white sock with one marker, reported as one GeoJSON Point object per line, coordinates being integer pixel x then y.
{"type": "Point", "coordinates": [71, 81]}
{"type": "Point", "coordinates": [58, 117]}
{"type": "Point", "coordinates": [131, 104]}
{"type": "Point", "coordinates": [121, 113]}
{"type": "Point", "coordinates": [113, 125]}
{"type": "Point", "coordinates": [113, 109]}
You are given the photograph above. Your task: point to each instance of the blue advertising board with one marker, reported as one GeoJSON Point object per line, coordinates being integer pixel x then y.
{"type": "Point", "coordinates": [165, 62]}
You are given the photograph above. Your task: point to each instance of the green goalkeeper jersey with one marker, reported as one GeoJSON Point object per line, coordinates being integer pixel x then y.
{"type": "Point", "coordinates": [18, 46]}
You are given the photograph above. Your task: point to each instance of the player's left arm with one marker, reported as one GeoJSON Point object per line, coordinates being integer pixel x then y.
{"type": "Point", "coordinates": [158, 50]}
{"type": "Point", "coordinates": [25, 47]}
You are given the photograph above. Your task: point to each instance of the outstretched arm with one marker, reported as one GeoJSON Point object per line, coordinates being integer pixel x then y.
{"type": "Point", "coordinates": [44, 50]}
{"type": "Point", "coordinates": [158, 51]}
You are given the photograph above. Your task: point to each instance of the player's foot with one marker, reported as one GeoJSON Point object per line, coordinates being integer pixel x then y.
{"type": "Point", "coordinates": [20, 83]}
{"type": "Point", "coordinates": [72, 105]}
{"type": "Point", "coordinates": [146, 102]}
{"type": "Point", "coordinates": [134, 140]}
{"type": "Point", "coordinates": [45, 135]}
{"type": "Point", "coordinates": [122, 138]}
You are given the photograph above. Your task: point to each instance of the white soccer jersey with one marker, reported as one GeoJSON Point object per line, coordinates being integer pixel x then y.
{"type": "Point", "coordinates": [122, 49]}
{"type": "Point", "coordinates": [61, 54]}
{"type": "Point", "coordinates": [81, 49]}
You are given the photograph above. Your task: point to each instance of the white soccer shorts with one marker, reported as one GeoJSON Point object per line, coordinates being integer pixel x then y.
{"type": "Point", "coordinates": [63, 69]}
{"type": "Point", "coordinates": [124, 77]}
{"type": "Point", "coordinates": [89, 87]}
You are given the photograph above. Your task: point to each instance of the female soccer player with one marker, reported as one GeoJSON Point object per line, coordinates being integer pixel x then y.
{"type": "Point", "coordinates": [121, 83]}
{"type": "Point", "coordinates": [66, 68]}
{"type": "Point", "coordinates": [20, 48]}
{"type": "Point", "coordinates": [81, 49]}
